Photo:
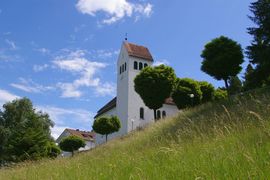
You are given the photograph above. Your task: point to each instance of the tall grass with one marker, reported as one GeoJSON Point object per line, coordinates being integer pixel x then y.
{"type": "Point", "coordinates": [220, 140]}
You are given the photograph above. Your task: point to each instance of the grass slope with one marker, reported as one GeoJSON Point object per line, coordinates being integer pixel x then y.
{"type": "Point", "coordinates": [222, 140]}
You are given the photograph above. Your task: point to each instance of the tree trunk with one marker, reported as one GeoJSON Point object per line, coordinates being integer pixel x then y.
{"type": "Point", "coordinates": [226, 84]}
{"type": "Point", "coordinates": [106, 137]}
{"type": "Point", "coordinates": [72, 153]}
{"type": "Point", "coordinates": [155, 114]}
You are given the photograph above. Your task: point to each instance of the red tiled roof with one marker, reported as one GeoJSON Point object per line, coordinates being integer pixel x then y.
{"type": "Point", "coordinates": [138, 51]}
{"type": "Point", "coordinates": [110, 105]}
{"type": "Point", "coordinates": [85, 135]}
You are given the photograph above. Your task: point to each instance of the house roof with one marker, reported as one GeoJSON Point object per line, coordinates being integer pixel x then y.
{"type": "Point", "coordinates": [85, 135]}
{"type": "Point", "coordinates": [138, 51]}
{"type": "Point", "coordinates": [112, 104]}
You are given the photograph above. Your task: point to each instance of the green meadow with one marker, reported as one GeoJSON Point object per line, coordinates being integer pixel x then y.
{"type": "Point", "coordinates": [220, 140]}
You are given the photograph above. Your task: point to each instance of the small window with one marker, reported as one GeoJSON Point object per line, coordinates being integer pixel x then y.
{"type": "Point", "coordinates": [125, 66]}
{"type": "Point", "coordinates": [158, 114]}
{"type": "Point", "coordinates": [141, 113]}
{"type": "Point", "coordinates": [120, 69]}
{"type": "Point", "coordinates": [145, 65]}
{"type": "Point", "coordinates": [163, 114]}
{"type": "Point", "coordinates": [140, 66]}
{"type": "Point", "coordinates": [135, 65]}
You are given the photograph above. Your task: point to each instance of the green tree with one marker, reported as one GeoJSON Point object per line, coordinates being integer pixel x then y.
{"type": "Point", "coordinates": [220, 94]}
{"type": "Point", "coordinates": [259, 50]}
{"type": "Point", "coordinates": [249, 79]}
{"type": "Point", "coordinates": [24, 132]}
{"type": "Point", "coordinates": [71, 144]}
{"type": "Point", "coordinates": [154, 85]}
{"type": "Point", "coordinates": [106, 125]}
{"type": "Point", "coordinates": [222, 58]}
{"type": "Point", "coordinates": [187, 93]}
{"type": "Point", "coordinates": [52, 150]}
{"type": "Point", "coordinates": [235, 85]}
{"type": "Point", "coordinates": [207, 91]}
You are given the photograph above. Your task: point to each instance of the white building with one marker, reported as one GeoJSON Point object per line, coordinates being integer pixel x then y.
{"type": "Point", "coordinates": [88, 137]}
{"type": "Point", "coordinates": [128, 106]}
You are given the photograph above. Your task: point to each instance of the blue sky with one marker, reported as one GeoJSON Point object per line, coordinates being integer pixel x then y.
{"type": "Point", "coordinates": [62, 53]}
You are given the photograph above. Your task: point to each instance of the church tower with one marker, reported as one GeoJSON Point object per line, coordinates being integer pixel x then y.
{"type": "Point", "coordinates": [130, 108]}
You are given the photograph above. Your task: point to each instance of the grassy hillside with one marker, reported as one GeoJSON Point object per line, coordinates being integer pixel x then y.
{"type": "Point", "coordinates": [222, 140]}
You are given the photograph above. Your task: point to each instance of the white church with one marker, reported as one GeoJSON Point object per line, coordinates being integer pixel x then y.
{"type": "Point", "coordinates": [128, 106]}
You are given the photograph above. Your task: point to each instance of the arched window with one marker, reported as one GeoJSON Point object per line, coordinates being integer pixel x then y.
{"type": "Point", "coordinates": [140, 66]}
{"type": "Point", "coordinates": [120, 69]}
{"type": "Point", "coordinates": [135, 65]}
{"type": "Point", "coordinates": [125, 66]}
{"type": "Point", "coordinates": [158, 114]}
{"type": "Point", "coordinates": [145, 65]}
{"type": "Point", "coordinates": [141, 113]}
{"type": "Point", "coordinates": [163, 114]}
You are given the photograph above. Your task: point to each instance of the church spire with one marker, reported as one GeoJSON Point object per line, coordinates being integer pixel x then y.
{"type": "Point", "coordinates": [126, 37]}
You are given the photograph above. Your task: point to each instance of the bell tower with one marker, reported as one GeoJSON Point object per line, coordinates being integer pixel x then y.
{"type": "Point", "coordinates": [130, 108]}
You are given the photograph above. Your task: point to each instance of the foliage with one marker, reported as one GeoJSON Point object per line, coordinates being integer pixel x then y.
{"type": "Point", "coordinates": [71, 144]}
{"type": "Point", "coordinates": [154, 85]}
{"type": "Point", "coordinates": [106, 125]}
{"type": "Point", "coordinates": [235, 85]}
{"type": "Point", "coordinates": [218, 140]}
{"type": "Point", "coordinates": [220, 94]}
{"type": "Point", "coordinates": [222, 58]}
{"type": "Point", "coordinates": [259, 50]}
{"type": "Point", "coordinates": [52, 150]}
{"type": "Point", "coordinates": [208, 91]}
{"type": "Point", "coordinates": [24, 132]}
{"type": "Point", "coordinates": [250, 81]}
{"type": "Point", "coordinates": [183, 91]}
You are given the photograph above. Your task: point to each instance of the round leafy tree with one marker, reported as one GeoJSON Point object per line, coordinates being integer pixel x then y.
{"type": "Point", "coordinates": [222, 58]}
{"type": "Point", "coordinates": [208, 91]}
{"type": "Point", "coordinates": [106, 125]}
{"type": "Point", "coordinates": [154, 85]}
{"type": "Point", "coordinates": [71, 144]}
{"type": "Point", "coordinates": [187, 93]}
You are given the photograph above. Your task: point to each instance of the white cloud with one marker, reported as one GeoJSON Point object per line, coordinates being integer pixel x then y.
{"type": "Point", "coordinates": [106, 89]}
{"type": "Point", "coordinates": [11, 44]}
{"type": "Point", "coordinates": [65, 118]}
{"type": "Point", "coordinates": [103, 54]}
{"type": "Point", "coordinates": [6, 96]}
{"type": "Point", "coordinates": [43, 50]}
{"type": "Point", "coordinates": [28, 85]}
{"type": "Point", "coordinates": [39, 68]}
{"type": "Point", "coordinates": [160, 62]}
{"type": "Point", "coordinates": [114, 9]}
{"type": "Point", "coordinates": [85, 70]}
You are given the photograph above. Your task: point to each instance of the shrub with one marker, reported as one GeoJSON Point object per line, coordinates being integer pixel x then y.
{"type": "Point", "coordinates": [183, 92]}
{"type": "Point", "coordinates": [208, 91]}
{"type": "Point", "coordinates": [53, 150]}
{"type": "Point", "coordinates": [220, 94]}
